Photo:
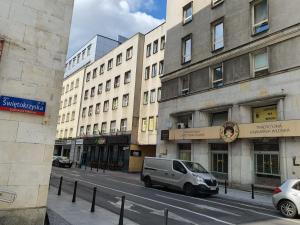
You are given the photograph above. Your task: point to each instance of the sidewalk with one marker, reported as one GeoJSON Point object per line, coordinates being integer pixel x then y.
{"type": "Point", "coordinates": [62, 211]}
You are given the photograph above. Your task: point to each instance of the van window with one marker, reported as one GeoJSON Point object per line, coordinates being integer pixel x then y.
{"type": "Point", "coordinates": [177, 166]}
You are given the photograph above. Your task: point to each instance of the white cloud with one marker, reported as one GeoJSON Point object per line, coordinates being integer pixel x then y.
{"type": "Point", "coordinates": [109, 18]}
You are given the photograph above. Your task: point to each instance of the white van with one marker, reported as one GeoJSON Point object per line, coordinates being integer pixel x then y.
{"type": "Point", "coordinates": [186, 176]}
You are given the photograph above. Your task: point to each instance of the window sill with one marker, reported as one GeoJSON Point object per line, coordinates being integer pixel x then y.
{"type": "Point", "coordinates": [185, 63]}
{"type": "Point", "coordinates": [213, 6]}
{"type": "Point", "coordinates": [215, 51]}
{"type": "Point", "coordinates": [187, 22]}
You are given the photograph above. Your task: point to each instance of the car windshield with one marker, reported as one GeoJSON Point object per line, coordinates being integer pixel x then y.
{"type": "Point", "coordinates": [194, 167]}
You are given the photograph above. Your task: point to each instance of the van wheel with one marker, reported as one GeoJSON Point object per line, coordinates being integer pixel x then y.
{"type": "Point", "coordinates": [189, 189]}
{"type": "Point", "coordinates": [288, 209]}
{"type": "Point", "coordinates": [148, 182]}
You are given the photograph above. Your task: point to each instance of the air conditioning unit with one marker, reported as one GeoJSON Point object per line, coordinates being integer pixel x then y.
{"type": "Point", "coordinates": [180, 126]}
{"type": "Point", "coordinates": [185, 91]}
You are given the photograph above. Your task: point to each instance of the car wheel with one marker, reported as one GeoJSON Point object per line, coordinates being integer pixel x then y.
{"type": "Point", "coordinates": [288, 209]}
{"type": "Point", "coordinates": [189, 189]}
{"type": "Point", "coordinates": [148, 182]}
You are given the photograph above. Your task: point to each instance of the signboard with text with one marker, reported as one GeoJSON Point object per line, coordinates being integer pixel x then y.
{"type": "Point", "coordinates": [22, 105]}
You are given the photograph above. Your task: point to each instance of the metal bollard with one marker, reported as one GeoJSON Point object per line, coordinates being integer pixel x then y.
{"type": "Point", "coordinates": [60, 184]}
{"type": "Point", "coordinates": [166, 216]}
{"type": "Point", "coordinates": [252, 190]}
{"type": "Point", "coordinates": [225, 187]}
{"type": "Point", "coordinates": [94, 200]}
{"type": "Point", "coordinates": [122, 211]}
{"type": "Point", "coordinates": [75, 191]}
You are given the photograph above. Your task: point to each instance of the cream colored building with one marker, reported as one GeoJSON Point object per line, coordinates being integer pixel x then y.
{"type": "Point", "coordinates": [35, 36]}
{"type": "Point", "coordinates": [153, 68]}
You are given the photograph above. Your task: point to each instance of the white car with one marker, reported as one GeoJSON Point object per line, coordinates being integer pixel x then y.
{"type": "Point", "coordinates": [286, 198]}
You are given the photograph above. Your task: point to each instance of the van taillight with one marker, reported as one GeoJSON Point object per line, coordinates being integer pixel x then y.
{"type": "Point", "coordinates": [277, 190]}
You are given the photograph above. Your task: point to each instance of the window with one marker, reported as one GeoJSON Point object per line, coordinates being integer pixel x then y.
{"type": "Point", "coordinates": [117, 81]}
{"type": "Point", "coordinates": [127, 77]}
{"type": "Point", "coordinates": [144, 124]}
{"type": "Point", "coordinates": [97, 111]}
{"type": "Point", "coordinates": [81, 132]}
{"type": "Point", "coordinates": [74, 61]}
{"type": "Point", "coordinates": [216, 2]}
{"type": "Point", "coordinates": [83, 115]}
{"type": "Point", "coordinates": [154, 70]}
{"type": "Point", "coordinates": [65, 103]}
{"type": "Point", "coordinates": [77, 83]}
{"type": "Point", "coordinates": [92, 92]}
{"type": "Point", "coordinates": [148, 51]}
{"type": "Point", "coordinates": [261, 62]}
{"type": "Point", "coordinates": [113, 126]}
{"type": "Point", "coordinates": [267, 164]}
{"type": "Point", "coordinates": [102, 68]}
{"type": "Point", "coordinates": [94, 73]}
{"type": "Point", "coordinates": [106, 106]}
{"type": "Point", "coordinates": [115, 104]}
{"type": "Point", "coordinates": [145, 100]}
{"type": "Point", "coordinates": [88, 130]}
{"type": "Point", "coordinates": [67, 89]}
{"type": "Point", "coordinates": [129, 53]}
{"type": "Point", "coordinates": [151, 124]}
{"type": "Point", "coordinates": [220, 162]}
{"type": "Point", "coordinates": [70, 101]}
{"type": "Point", "coordinates": [58, 119]}
{"type": "Point", "coordinates": [152, 96]}
{"type": "Point", "coordinates": [90, 111]}
{"type": "Point", "coordinates": [66, 133]}
{"type": "Point", "coordinates": [147, 72]}
{"type": "Point", "coordinates": [103, 127]}
{"type": "Point", "coordinates": [100, 87]}
{"type": "Point", "coordinates": [161, 67]}
{"type": "Point", "coordinates": [73, 116]}
{"type": "Point", "coordinates": [218, 35]}
{"type": "Point", "coordinates": [63, 90]}
{"type": "Point", "coordinates": [217, 76]}
{"type": "Point", "coordinates": [61, 105]}
{"type": "Point", "coordinates": [89, 50]}
{"type": "Point", "coordinates": [72, 86]}
{"type": "Point", "coordinates": [260, 16]}
{"type": "Point", "coordinates": [123, 126]}
{"type": "Point", "coordinates": [86, 94]}
{"type": "Point", "coordinates": [75, 99]}
{"type": "Point", "coordinates": [155, 46]}
{"type": "Point", "coordinates": [177, 166]}
{"type": "Point", "coordinates": [185, 85]}
{"type": "Point", "coordinates": [188, 13]}
{"type": "Point", "coordinates": [107, 86]}
{"type": "Point", "coordinates": [88, 77]}
{"type": "Point", "coordinates": [125, 101]}
{"type": "Point", "coordinates": [119, 59]}
{"type": "Point", "coordinates": [158, 94]}
{"type": "Point", "coordinates": [162, 42]}
{"type": "Point", "coordinates": [63, 118]}
{"type": "Point", "coordinates": [83, 54]}
{"type": "Point", "coordinates": [110, 64]}
{"type": "Point", "coordinates": [187, 49]}
{"type": "Point", "coordinates": [78, 58]}
{"type": "Point", "coordinates": [219, 118]}
{"type": "Point", "coordinates": [95, 129]}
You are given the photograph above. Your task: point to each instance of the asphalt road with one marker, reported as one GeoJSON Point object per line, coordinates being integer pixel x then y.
{"type": "Point", "coordinates": [146, 206]}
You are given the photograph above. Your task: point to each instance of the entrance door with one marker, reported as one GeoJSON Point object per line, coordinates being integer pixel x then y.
{"type": "Point", "coordinates": [185, 152]}
{"type": "Point", "coordinates": [267, 164]}
{"type": "Point", "coordinates": [219, 160]}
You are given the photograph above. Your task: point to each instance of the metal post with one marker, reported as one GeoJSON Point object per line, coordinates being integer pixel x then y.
{"type": "Point", "coordinates": [94, 200]}
{"type": "Point", "coordinates": [60, 184]}
{"type": "Point", "coordinates": [74, 193]}
{"type": "Point", "coordinates": [225, 187]}
{"type": "Point", "coordinates": [122, 211]}
{"type": "Point", "coordinates": [166, 217]}
{"type": "Point", "coordinates": [252, 188]}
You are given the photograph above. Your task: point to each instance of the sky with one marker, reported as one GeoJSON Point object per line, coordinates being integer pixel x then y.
{"type": "Point", "coordinates": [111, 18]}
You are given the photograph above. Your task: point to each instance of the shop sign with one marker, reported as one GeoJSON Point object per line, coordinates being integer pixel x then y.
{"type": "Point", "coordinates": [164, 136]}
{"type": "Point", "coordinates": [22, 105]}
{"type": "Point", "coordinates": [68, 142]}
{"type": "Point", "coordinates": [229, 132]}
{"type": "Point", "coordinates": [265, 114]}
{"type": "Point", "coordinates": [136, 153]}
{"type": "Point", "coordinates": [100, 141]}
{"type": "Point", "coordinates": [126, 148]}
{"type": "Point", "coordinates": [79, 142]}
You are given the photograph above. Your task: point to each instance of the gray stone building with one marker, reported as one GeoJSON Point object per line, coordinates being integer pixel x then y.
{"type": "Point", "coordinates": [33, 44]}
{"type": "Point", "coordinates": [235, 61]}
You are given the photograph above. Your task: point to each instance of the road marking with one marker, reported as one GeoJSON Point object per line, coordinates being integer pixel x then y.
{"type": "Point", "coordinates": [201, 206]}
{"type": "Point", "coordinates": [152, 200]}
{"type": "Point", "coordinates": [111, 179]}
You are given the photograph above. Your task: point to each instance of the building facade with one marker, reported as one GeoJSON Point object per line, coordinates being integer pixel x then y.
{"type": "Point", "coordinates": [91, 51]}
{"type": "Point", "coordinates": [230, 89]}
{"type": "Point", "coordinates": [33, 45]}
